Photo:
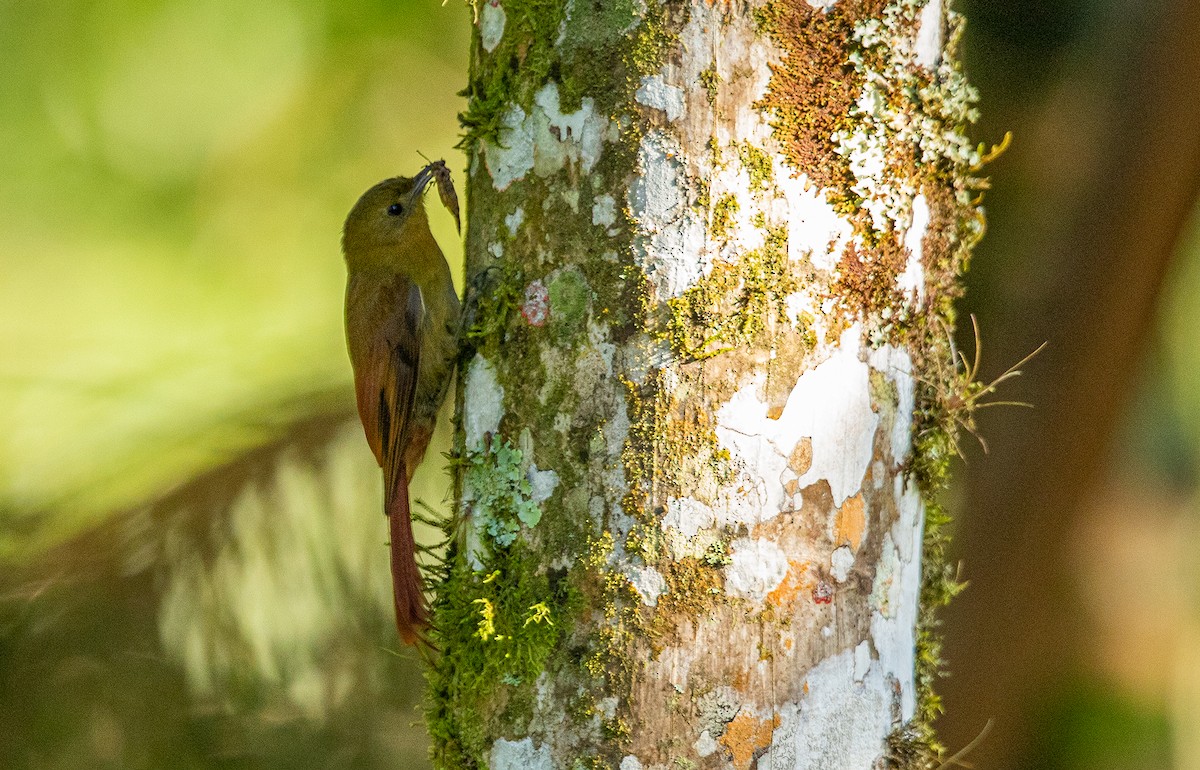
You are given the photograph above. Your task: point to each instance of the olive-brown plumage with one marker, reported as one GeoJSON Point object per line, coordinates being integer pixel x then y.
{"type": "Point", "coordinates": [402, 316]}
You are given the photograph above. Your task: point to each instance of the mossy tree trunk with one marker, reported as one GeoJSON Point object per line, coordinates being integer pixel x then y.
{"type": "Point", "coordinates": [712, 250]}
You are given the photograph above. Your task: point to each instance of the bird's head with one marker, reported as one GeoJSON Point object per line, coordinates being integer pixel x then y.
{"type": "Point", "coordinates": [388, 226]}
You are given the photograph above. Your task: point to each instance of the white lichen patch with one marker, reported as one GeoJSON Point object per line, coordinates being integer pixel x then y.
{"type": "Point", "coordinates": [670, 235]}
{"type": "Point", "coordinates": [840, 563]}
{"type": "Point", "coordinates": [599, 344]}
{"type": "Point", "coordinates": [884, 590]}
{"type": "Point", "coordinates": [912, 281]}
{"type": "Point", "coordinates": [705, 744]}
{"type": "Point", "coordinates": [513, 221]}
{"type": "Point", "coordinates": [512, 157]}
{"type": "Point", "coordinates": [688, 526]}
{"type": "Point", "coordinates": [756, 568]}
{"type": "Point", "coordinates": [929, 34]}
{"type": "Point", "coordinates": [491, 25]}
{"type": "Point", "coordinates": [842, 722]}
{"type": "Point", "coordinates": [630, 762]}
{"type": "Point", "coordinates": [577, 136]}
{"type": "Point", "coordinates": [483, 402]}
{"type": "Point", "coordinates": [546, 139]}
{"type": "Point", "coordinates": [648, 582]}
{"type": "Point", "coordinates": [896, 594]}
{"type": "Point", "coordinates": [815, 231]}
{"type": "Point", "coordinates": [862, 660]}
{"type": "Point", "coordinates": [658, 95]}
{"type": "Point", "coordinates": [541, 483]}
{"type": "Point", "coordinates": [896, 364]}
{"type": "Point", "coordinates": [831, 404]}
{"type": "Point", "coordinates": [520, 755]}
{"type": "Point", "coordinates": [688, 516]}
{"type": "Point", "coordinates": [604, 210]}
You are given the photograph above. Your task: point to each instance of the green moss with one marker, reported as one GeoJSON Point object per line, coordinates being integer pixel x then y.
{"type": "Point", "coordinates": [497, 626]}
{"type": "Point", "coordinates": [612, 21]}
{"type": "Point", "coordinates": [722, 217]}
{"type": "Point", "coordinates": [758, 165]}
{"type": "Point", "coordinates": [570, 297]}
{"type": "Point", "coordinates": [710, 81]}
{"type": "Point", "coordinates": [513, 72]}
{"type": "Point", "coordinates": [490, 306]}
{"type": "Point", "coordinates": [736, 303]}
{"type": "Point", "coordinates": [655, 36]}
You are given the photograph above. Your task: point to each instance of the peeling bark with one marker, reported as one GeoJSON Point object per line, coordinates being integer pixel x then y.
{"type": "Point", "coordinates": [709, 394]}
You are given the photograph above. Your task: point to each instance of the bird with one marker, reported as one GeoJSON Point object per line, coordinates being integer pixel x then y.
{"type": "Point", "coordinates": [402, 317]}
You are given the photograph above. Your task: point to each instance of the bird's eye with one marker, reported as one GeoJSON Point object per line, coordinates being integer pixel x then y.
{"type": "Point", "coordinates": [395, 210]}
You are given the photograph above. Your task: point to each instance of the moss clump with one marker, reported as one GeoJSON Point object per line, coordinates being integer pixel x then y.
{"type": "Point", "coordinates": [812, 90]}
{"type": "Point", "coordinates": [693, 586]}
{"type": "Point", "coordinates": [710, 81]}
{"type": "Point", "coordinates": [723, 213]}
{"type": "Point", "coordinates": [736, 303]}
{"type": "Point", "coordinates": [865, 282]}
{"type": "Point", "coordinates": [758, 165]}
{"type": "Point", "coordinates": [491, 304]}
{"type": "Point", "coordinates": [570, 297]}
{"type": "Point", "coordinates": [503, 623]}
{"type": "Point", "coordinates": [513, 71]}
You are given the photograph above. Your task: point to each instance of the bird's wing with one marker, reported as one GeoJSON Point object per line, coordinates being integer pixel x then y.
{"type": "Point", "coordinates": [386, 367]}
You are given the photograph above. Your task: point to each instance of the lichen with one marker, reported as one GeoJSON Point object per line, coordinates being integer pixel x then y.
{"type": "Point", "coordinates": [497, 494]}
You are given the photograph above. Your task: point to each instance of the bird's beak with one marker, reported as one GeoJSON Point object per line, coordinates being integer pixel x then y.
{"type": "Point", "coordinates": [420, 182]}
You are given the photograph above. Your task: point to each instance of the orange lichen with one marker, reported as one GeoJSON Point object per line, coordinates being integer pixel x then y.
{"type": "Point", "coordinates": [794, 582]}
{"type": "Point", "coordinates": [850, 522]}
{"type": "Point", "coordinates": [746, 736]}
{"type": "Point", "coordinates": [801, 459]}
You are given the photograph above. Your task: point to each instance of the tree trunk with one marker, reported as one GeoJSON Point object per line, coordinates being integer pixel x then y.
{"type": "Point", "coordinates": [712, 249]}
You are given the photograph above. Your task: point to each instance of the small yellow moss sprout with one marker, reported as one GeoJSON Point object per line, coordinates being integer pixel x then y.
{"type": "Point", "coordinates": [487, 619]}
{"type": "Point", "coordinates": [537, 613]}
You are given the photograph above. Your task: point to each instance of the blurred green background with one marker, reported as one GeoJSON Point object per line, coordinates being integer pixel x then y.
{"type": "Point", "coordinates": [194, 570]}
{"type": "Point", "coordinates": [192, 574]}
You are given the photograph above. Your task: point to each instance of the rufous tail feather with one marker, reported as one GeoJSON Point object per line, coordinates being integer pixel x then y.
{"type": "Point", "coordinates": [411, 613]}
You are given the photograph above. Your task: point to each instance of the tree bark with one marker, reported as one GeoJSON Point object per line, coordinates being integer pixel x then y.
{"type": "Point", "coordinates": [712, 249]}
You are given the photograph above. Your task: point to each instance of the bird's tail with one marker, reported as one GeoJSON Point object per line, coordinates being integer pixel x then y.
{"type": "Point", "coordinates": [411, 612]}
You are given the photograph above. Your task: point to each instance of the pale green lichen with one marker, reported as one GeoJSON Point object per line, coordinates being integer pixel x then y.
{"type": "Point", "coordinates": [497, 492]}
